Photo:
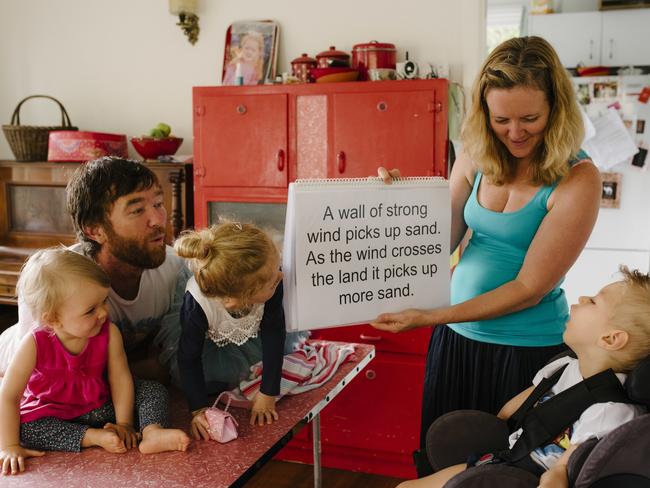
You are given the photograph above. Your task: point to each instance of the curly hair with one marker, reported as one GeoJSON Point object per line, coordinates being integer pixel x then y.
{"type": "Point", "coordinates": [528, 62]}
{"type": "Point", "coordinates": [632, 315]}
{"type": "Point", "coordinates": [94, 188]}
{"type": "Point", "coordinates": [227, 258]}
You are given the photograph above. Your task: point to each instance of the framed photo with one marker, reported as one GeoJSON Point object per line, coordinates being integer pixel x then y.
{"type": "Point", "coordinates": [611, 195]}
{"type": "Point", "coordinates": [584, 93]}
{"type": "Point", "coordinates": [250, 54]}
{"type": "Point", "coordinates": [606, 89]}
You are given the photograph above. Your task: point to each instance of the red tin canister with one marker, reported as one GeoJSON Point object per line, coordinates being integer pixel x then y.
{"type": "Point", "coordinates": [372, 55]}
{"type": "Point", "coordinates": [333, 58]}
{"type": "Point", "coordinates": [302, 66]}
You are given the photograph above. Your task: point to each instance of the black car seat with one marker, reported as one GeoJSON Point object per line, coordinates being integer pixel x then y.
{"type": "Point", "coordinates": [620, 459]}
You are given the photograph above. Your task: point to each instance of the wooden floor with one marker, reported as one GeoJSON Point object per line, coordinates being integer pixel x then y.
{"type": "Point", "coordinates": [280, 474]}
{"type": "Point", "coordinates": [276, 474]}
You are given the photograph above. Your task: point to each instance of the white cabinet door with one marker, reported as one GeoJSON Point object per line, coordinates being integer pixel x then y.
{"type": "Point", "coordinates": [575, 36]}
{"type": "Point", "coordinates": [596, 268]}
{"type": "Point", "coordinates": [626, 36]}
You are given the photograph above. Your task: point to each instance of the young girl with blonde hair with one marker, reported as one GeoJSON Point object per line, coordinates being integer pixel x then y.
{"type": "Point", "coordinates": [234, 301]}
{"type": "Point", "coordinates": [69, 385]}
{"type": "Point", "coordinates": [250, 58]}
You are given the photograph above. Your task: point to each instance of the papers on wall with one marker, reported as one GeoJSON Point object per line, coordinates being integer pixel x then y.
{"type": "Point", "coordinates": [355, 248]}
{"type": "Point", "coordinates": [612, 143]}
{"type": "Point", "coordinates": [597, 96]}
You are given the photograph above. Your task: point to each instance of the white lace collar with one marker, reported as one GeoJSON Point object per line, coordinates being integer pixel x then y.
{"type": "Point", "coordinates": [228, 329]}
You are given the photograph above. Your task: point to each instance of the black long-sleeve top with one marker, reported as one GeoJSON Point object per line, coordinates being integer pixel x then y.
{"type": "Point", "coordinates": [194, 326]}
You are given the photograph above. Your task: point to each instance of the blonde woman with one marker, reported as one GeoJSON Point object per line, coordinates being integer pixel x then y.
{"type": "Point", "coordinates": [531, 199]}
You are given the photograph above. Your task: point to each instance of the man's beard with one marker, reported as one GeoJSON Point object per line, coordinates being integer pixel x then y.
{"type": "Point", "coordinates": [135, 252]}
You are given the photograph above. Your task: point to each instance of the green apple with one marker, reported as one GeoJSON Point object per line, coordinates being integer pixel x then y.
{"type": "Point", "coordinates": [157, 133]}
{"type": "Point", "coordinates": [165, 128]}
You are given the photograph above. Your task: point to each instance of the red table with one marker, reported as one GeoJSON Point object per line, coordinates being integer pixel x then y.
{"type": "Point", "coordinates": [205, 463]}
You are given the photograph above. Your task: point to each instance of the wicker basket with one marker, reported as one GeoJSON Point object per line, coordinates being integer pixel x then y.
{"type": "Point", "coordinates": [28, 142]}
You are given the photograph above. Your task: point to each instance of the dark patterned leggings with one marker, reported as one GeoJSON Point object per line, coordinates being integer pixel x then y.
{"type": "Point", "coordinates": [53, 434]}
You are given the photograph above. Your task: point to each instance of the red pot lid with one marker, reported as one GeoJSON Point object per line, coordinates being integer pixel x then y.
{"type": "Point", "coordinates": [304, 59]}
{"type": "Point", "coordinates": [374, 46]}
{"type": "Point", "coordinates": [333, 53]}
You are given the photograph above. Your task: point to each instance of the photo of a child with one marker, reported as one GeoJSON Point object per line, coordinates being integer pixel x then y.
{"type": "Point", "coordinates": [249, 57]}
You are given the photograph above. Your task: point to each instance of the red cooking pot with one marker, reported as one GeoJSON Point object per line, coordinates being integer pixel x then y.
{"type": "Point", "coordinates": [333, 59]}
{"type": "Point", "coordinates": [373, 55]}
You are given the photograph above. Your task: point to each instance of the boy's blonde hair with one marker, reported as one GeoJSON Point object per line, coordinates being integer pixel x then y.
{"type": "Point", "coordinates": [528, 62]}
{"type": "Point", "coordinates": [45, 278]}
{"type": "Point", "coordinates": [227, 258]}
{"type": "Point", "coordinates": [632, 315]}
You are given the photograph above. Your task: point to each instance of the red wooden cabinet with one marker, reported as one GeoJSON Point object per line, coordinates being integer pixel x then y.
{"type": "Point", "coordinates": [394, 129]}
{"type": "Point", "coordinates": [242, 140]}
{"type": "Point", "coordinates": [250, 142]}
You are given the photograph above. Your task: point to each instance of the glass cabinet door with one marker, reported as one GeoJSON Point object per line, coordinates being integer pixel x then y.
{"type": "Point", "coordinates": [267, 216]}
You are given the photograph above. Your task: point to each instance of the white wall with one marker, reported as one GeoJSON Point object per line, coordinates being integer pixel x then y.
{"type": "Point", "coordinates": [123, 65]}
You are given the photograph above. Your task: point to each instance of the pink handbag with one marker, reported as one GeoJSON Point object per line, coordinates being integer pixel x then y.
{"type": "Point", "coordinates": [222, 426]}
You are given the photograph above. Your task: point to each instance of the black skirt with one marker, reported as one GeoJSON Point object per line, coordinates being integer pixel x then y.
{"type": "Point", "coordinates": [465, 374]}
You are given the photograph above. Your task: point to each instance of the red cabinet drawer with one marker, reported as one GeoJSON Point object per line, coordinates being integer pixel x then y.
{"type": "Point", "coordinates": [379, 410]}
{"type": "Point", "coordinates": [411, 342]}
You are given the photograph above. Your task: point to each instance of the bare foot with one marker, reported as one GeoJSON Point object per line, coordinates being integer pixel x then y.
{"type": "Point", "coordinates": [105, 438]}
{"type": "Point", "coordinates": [156, 439]}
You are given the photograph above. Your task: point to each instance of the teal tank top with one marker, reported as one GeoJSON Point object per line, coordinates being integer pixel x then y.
{"type": "Point", "coordinates": [494, 256]}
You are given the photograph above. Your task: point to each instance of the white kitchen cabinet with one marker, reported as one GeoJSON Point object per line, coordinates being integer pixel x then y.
{"type": "Point", "coordinates": [611, 38]}
{"type": "Point", "coordinates": [575, 36]}
{"type": "Point", "coordinates": [625, 37]}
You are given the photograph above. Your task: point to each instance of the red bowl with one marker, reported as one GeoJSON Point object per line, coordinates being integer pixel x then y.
{"type": "Point", "coordinates": [151, 148]}
{"type": "Point", "coordinates": [325, 75]}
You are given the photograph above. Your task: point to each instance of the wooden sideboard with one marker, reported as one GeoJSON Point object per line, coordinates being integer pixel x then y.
{"type": "Point", "coordinates": [33, 214]}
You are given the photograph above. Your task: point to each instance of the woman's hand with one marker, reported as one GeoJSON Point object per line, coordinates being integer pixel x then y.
{"type": "Point", "coordinates": [388, 175]}
{"type": "Point", "coordinates": [199, 425]}
{"type": "Point", "coordinates": [404, 320]}
{"type": "Point", "coordinates": [263, 409]}
{"type": "Point", "coordinates": [125, 432]}
{"type": "Point", "coordinates": [13, 458]}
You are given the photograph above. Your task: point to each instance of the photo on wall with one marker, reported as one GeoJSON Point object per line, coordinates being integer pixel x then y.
{"type": "Point", "coordinates": [611, 195]}
{"type": "Point", "coordinates": [250, 54]}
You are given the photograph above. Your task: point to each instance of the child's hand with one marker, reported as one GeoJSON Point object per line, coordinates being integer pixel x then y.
{"type": "Point", "coordinates": [13, 458]}
{"type": "Point", "coordinates": [125, 432]}
{"type": "Point", "coordinates": [263, 409]}
{"type": "Point", "coordinates": [199, 425]}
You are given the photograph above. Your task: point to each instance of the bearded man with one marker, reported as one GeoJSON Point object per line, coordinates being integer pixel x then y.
{"type": "Point", "coordinates": [119, 217]}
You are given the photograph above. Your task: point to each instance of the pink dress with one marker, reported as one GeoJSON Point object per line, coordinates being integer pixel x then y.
{"type": "Point", "coordinates": [248, 71]}
{"type": "Point", "coordinates": [65, 385]}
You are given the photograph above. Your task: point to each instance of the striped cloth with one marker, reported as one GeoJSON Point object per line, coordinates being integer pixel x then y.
{"type": "Point", "coordinates": [311, 365]}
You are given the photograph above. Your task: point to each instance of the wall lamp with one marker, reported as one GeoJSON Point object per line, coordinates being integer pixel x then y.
{"type": "Point", "coordinates": [188, 20]}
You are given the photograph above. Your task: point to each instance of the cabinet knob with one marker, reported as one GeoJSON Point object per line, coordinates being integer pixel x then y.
{"type": "Point", "coordinates": [280, 160]}
{"type": "Point", "coordinates": [199, 172]}
{"type": "Point", "coordinates": [382, 106]}
{"type": "Point", "coordinates": [340, 161]}
{"type": "Point", "coordinates": [199, 110]}
{"type": "Point", "coordinates": [241, 109]}
{"type": "Point", "coordinates": [370, 374]}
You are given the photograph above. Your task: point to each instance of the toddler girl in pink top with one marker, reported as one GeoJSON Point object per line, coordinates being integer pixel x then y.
{"type": "Point", "coordinates": [69, 385]}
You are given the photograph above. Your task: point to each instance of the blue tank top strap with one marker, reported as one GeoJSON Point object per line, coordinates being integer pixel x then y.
{"type": "Point", "coordinates": [579, 157]}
